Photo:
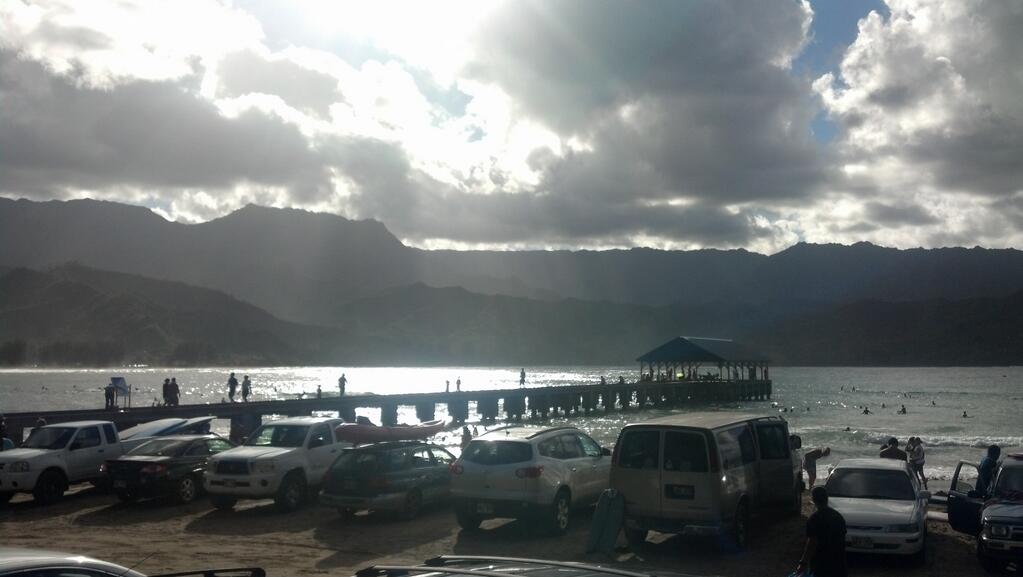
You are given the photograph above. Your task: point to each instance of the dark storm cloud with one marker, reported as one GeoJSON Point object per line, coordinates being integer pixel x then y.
{"type": "Point", "coordinates": [898, 215]}
{"type": "Point", "coordinates": [147, 134]}
{"type": "Point", "coordinates": [304, 89]}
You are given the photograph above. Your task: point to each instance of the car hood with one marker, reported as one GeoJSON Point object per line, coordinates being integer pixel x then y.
{"type": "Point", "coordinates": [23, 454]}
{"type": "Point", "coordinates": [1004, 512]}
{"type": "Point", "coordinates": [253, 453]}
{"type": "Point", "coordinates": [874, 511]}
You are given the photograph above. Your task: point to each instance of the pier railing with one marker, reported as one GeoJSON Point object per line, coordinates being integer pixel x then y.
{"type": "Point", "coordinates": [515, 404]}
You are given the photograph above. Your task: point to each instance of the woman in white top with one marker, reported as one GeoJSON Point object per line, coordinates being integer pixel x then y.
{"type": "Point", "coordinates": [916, 459]}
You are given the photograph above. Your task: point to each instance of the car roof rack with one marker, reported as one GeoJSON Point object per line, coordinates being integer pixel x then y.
{"type": "Point", "coordinates": [440, 562]}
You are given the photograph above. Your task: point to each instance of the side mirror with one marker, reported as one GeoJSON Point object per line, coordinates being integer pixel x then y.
{"type": "Point", "coordinates": [796, 441]}
{"type": "Point", "coordinates": [926, 495]}
{"type": "Point", "coordinates": [604, 451]}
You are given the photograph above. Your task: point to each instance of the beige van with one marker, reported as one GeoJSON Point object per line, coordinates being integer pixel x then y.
{"type": "Point", "coordinates": [705, 474]}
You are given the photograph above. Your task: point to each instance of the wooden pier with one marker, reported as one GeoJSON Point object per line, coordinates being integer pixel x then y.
{"type": "Point", "coordinates": [490, 405]}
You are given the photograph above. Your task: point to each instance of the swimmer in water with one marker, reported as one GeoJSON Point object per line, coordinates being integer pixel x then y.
{"type": "Point", "coordinates": [866, 411]}
{"type": "Point", "coordinates": [883, 407]}
{"type": "Point", "coordinates": [965, 416]}
{"type": "Point", "coordinates": [902, 411]}
{"type": "Point", "coordinates": [847, 429]}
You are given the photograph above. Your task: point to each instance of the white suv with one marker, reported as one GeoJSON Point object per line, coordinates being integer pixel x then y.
{"type": "Point", "coordinates": [523, 472]}
{"type": "Point", "coordinates": [281, 459]}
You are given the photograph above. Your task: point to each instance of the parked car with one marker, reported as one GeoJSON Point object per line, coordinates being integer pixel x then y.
{"type": "Point", "coordinates": [283, 459]}
{"type": "Point", "coordinates": [457, 566]}
{"type": "Point", "coordinates": [522, 472]}
{"type": "Point", "coordinates": [54, 457]}
{"type": "Point", "coordinates": [705, 474]}
{"type": "Point", "coordinates": [995, 516]}
{"type": "Point", "coordinates": [400, 476]}
{"type": "Point", "coordinates": [884, 507]}
{"type": "Point", "coordinates": [144, 432]}
{"type": "Point", "coordinates": [36, 563]}
{"type": "Point", "coordinates": [169, 466]}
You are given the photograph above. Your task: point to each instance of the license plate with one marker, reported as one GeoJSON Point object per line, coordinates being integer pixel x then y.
{"type": "Point", "coordinates": [120, 484]}
{"type": "Point", "coordinates": [485, 508]}
{"type": "Point", "coordinates": [863, 542]}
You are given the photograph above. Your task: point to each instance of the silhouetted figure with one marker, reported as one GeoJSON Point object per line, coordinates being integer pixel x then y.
{"type": "Point", "coordinates": [522, 377]}
{"type": "Point", "coordinates": [903, 411]}
{"type": "Point", "coordinates": [166, 392]}
{"type": "Point", "coordinates": [986, 471]}
{"type": "Point", "coordinates": [246, 389]}
{"type": "Point", "coordinates": [475, 431]}
{"type": "Point", "coordinates": [232, 386]}
{"type": "Point", "coordinates": [915, 448]}
{"type": "Point", "coordinates": [965, 416]}
{"type": "Point", "coordinates": [319, 392]}
{"type": "Point", "coordinates": [447, 386]}
{"type": "Point", "coordinates": [892, 451]}
{"type": "Point", "coordinates": [810, 463]}
{"type": "Point", "coordinates": [866, 411]}
{"type": "Point", "coordinates": [108, 396]}
{"type": "Point", "coordinates": [174, 392]}
{"type": "Point", "coordinates": [342, 383]}
{"type": "Point", "coordinates": [458, 384]}
{"type": "Point", "coordinates": [3, 433]}
{"type": "Point", "coordinates": [824, 554]}
{"type": "Point", "coordinates": [603, 380]}
{"type": "Point", "coordinates": [466, 437]}
{"type": "Point", "coordinates": [621, 380]}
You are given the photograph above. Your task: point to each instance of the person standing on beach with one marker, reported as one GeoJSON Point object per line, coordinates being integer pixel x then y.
{"type": "Point", "coordinates": [166, 392]}
{"type": "Point", "coordinates": [232, 386]}
{"type": "Point", "coordinates": [891, 450]}
{"type": "Point", "coordinates": [522, 377]}
{"type": "Point", "coordinates": [341, 384]}
{"type": "Point", "coordinates": [246, 389]}
{"type": "Point", "coordinates": [810, 463]}
{"type": "Point", "coordinates": [458, 384]}
{"type": "Point", "coordinates": [174, 392]}
{"type": "Point", "coordinates": [108, 396]}
{"type": "Point", "coordinates": [824, 553]}
{"type": "Point", "coordinates": [988, 466]}
{"type": "Point", "coordinates": [916, 458]}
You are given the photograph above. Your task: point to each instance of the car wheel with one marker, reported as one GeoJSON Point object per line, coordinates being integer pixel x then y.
{"type": "Point", "coordinates": [413, 502]}
{"type": "Point", "coordinates": [49, 488]}
{"type": "Point", "coordinates": [127, 496]}
{"type": "Point", "coordinates": [560, 513]}
{"type": "Point", "coordinates": [292, 493]}
{"type": "Point", "coordinates": [467, 521]}
{"type": "Point", "coordinates": [223, 502]}
{"type": "Point", "coordinates": [186, 490]}
{"type": "Point", "coordinates": [740, 527]}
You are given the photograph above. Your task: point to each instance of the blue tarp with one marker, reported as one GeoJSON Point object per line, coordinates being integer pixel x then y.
{"type": "Point", "coordinates": [120, 385]}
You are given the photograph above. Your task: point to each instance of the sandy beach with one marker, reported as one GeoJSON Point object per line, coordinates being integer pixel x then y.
{"type": "Point", "coordinates": [158, 537]}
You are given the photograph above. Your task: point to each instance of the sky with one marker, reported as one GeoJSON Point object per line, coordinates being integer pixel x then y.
{"type": "Point", "coordinates": [485, 124]}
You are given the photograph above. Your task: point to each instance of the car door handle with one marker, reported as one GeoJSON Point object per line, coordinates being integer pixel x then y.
{"type": "Point", "coordinates": [574, 469]}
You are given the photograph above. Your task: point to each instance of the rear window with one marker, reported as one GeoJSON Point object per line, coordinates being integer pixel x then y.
{"type": "Point", "coordinates": [685, 452]}
{"type": "Point", "coordinates": [497, 452]}
{"type": "Point", "coordinates": [870, 484]}
{"type": "Point", "coordinates": [640, 449]}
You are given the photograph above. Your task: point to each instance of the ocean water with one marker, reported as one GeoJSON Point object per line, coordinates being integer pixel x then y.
{"type": "Point", "coordinates": [823, 405]}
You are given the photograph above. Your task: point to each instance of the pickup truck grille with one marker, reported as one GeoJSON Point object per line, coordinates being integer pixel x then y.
{"type": "Point", "coordinates": [233, 467]}
{"type": "Point", "coordinates": [1016, 533]}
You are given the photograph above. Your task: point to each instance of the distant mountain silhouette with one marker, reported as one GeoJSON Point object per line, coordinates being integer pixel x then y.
{"type": "Point", "coordinates": [385, 303]}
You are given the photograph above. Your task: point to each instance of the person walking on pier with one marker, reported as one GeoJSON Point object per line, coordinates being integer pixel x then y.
{"type": "Point", "coordinates": [522, 377]}
{"type": "Point", "coordinates": [166, 392]}
{"type": "Point", "coordinates": [246, 389]}
{"type": "Point", "coordinates": [174, 392]}
{"type": "Point", "coordinates": [341, 384]}
{"type": "Point", "coordinates": [232, 386]}
{"type": "Point", "coordinates": [458, 384]}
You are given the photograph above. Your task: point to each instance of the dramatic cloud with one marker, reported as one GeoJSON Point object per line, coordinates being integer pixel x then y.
{"type": "Point", "coordinates": [534, 123]}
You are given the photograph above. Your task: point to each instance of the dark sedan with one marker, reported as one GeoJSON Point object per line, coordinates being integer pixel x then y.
{"type": "Point", "coordinates": [164, 467]}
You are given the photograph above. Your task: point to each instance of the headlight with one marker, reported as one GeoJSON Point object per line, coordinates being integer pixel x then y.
{"type": "Point", "coordinates": [263, 467]}
{"type": "Point", "coordinates": [18, 467]}
{"type": "Point", "coordinates": [1000, 531]}
{"type": "Point", "coordinates": [907, 528]}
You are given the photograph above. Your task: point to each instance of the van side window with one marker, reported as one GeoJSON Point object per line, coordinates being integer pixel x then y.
{"type": "Point", "coordinates": [728, 445]}
{"type": "Point", "coordinates": [746, 445]}
{"type": "Point", "coordinates": [685, 452]}
{"type": "Point", "coordinates": [774, 444]}
{"type": "Point", "coordinates": [640, 449]}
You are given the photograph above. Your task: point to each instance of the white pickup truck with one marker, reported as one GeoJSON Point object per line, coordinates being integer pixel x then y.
{"type": "Point", "coordinates": [56, 456]}
{"type": "Point", "coordinates": [281, 459]}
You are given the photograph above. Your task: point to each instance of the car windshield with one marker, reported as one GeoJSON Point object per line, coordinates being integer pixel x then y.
{"type": "Point", "coordinates": [1009, 484]}
{"type": "Point", "coordinates": [49, 438]}
{"type": "Point", "coordinates": [160, 448]}
{"type": "Point", "coordinates": [870, 484]}
{"type": "Point", "coordinates": [497, 452]}
{"type": "Point", "coordinates": [278, 436]}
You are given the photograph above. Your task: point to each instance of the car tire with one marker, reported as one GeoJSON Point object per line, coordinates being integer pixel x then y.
{"type": "Point", "coordinates": [127, 496]}
{"type": "Point", "coordinates": [739, 532]}
{"type": "Point", "coordinates": [49, 487]}
{"type": "Point", "coordinates": [413, 503]}
{"type": "Point", "coordinates": [467, 521]}
{"type": "Point", "coordinates": [223, 502]}
{"type": "Point", "coordinates": [186, 490]}
{"type": "Point", "coordinates": [292, 493]}
{"type": "Point", "coordinates": [560, 513]}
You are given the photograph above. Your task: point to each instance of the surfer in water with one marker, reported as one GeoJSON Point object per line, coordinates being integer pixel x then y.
{"type": "Point", "coordinates": [866, 411]}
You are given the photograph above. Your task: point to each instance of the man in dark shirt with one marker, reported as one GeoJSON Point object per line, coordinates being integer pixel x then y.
{"type": "Point", "coordinates": [986, 471]}
{"type": "Point", "coordinates": [892, 451]}
{"type": "Point", "coordinates": [824, 555]}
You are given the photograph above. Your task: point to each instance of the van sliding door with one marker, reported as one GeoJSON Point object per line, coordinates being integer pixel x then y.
{"type": "Point", "coordinates": [777, 477]}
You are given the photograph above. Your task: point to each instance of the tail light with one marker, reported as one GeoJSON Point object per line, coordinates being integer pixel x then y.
{"type": "Point", "coordinates": [153, 469]}
{"type": "Point", "coordinates": [529, 472]}
{"type": "Point", "coordinates": [456, 468]}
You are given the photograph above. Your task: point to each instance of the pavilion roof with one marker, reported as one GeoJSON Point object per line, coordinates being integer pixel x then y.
{"type": "Point", "coordinates": [703, 350]}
